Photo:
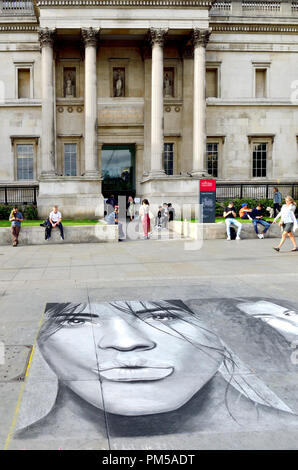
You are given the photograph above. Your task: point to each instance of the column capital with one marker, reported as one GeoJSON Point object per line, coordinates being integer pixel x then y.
{"type": "Point", "coordinates": [46, 36]}
{"type": "Point", "coordinates": [157, 36]}
{"type": "Point", "coordinates": [200, 37]}
{"type": "Point", "coordinates": [90, 36]}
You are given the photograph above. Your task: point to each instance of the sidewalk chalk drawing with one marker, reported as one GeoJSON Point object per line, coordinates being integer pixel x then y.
{"type": "Point", "coordinates": [145, 368]}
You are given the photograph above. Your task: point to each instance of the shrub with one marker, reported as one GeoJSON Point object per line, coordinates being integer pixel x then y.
{"type": "Point", "coordinates": [250, 202]}
{"type": "Point", "coordinates": [29, 212]}
{"type": "Point", "coordinates": [5, 211]}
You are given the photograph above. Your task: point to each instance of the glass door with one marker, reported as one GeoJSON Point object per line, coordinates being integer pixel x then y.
{"type": "Point", "coordinates": [118, 170]}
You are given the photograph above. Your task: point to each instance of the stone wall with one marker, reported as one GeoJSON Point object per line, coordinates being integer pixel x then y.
{"type": "Point", "coordinates": [73, 234]}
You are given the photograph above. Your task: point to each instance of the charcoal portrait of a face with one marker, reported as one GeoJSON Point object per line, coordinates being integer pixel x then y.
{"type": "Point", "coordinates": [153, 367]}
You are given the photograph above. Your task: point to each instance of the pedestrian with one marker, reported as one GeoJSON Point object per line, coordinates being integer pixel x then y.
{"type": "Point", "coordinates": [230, 219]}
{"type": "Point", "coordinates": [113, 219]}
{"type": "Point", "coordinates": [257, 218]}
{"type": "Point", "coordinates": [130, 208]}
{"type": "Point", "coordinates": [171, 212]}
{"type": "Point", "coordinates": [144, 213]}
{"type": "Point", "coordinates": [288, 222]}
{"type": "Point", "coordinates": [159, 218]}
{"type": "Point", "coordinates": [243, 211]}
{"type": "Point", "coordinates": [55, 219]}
{"type": "Point", "coordinates": [16, 219]}
{"type": "Point", "coordinates": [164, 216]}
{"type": "Point", "coordinates": [112, 201]}
{"type": "Point", "coordinates": [277, 198]}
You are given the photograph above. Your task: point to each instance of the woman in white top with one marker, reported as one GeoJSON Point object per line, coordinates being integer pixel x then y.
{"type": "Point", "coordinates": [144, 213]}
{"type": "Point", "coordinates": [130, 208]}
{"type": "Point", "coordinates": [288, 222]}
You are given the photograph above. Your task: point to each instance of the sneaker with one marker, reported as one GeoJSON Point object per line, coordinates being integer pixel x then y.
{"type": "Point", "coordinates": [276, 248]}
{"type": "Point", "coordinates": [238, 238]}
{"type": "Point", "coordinates": [229, 238]}
{"type": "Point", "coordinates": [260, 235]}
{"type": "Point", "coordinates": [61, 237]}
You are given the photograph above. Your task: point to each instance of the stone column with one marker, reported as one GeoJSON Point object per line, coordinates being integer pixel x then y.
{"type": "Point", "coordinates": [200, 40]}
{"type": "Point", "coordinates": [157, 37]}
{"type": "Point", "coordinates": [90, 38]}
{"type": "Point", "coordinates": [46, 38]}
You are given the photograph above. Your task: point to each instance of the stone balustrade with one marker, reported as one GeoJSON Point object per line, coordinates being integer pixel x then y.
{"type": "Point", "coordinates": [16, 8]}
{"type": "Point", "coordinates": [254, 7]}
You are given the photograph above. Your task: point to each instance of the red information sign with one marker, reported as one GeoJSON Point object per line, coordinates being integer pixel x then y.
{"type": "Point", "coordinates": [207, 185]}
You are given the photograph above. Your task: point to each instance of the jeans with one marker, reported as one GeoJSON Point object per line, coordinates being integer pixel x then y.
{"type": "Point", "coordinates": [60, 226]}
{"type": "Point", "coordinates": [15, 230]}
{"type": "Point", "coordinates": [230, 222]}
{"type": "Point", "coordinates": [262, 222]}
{"type": "Point", "coordinates": [276, 208]}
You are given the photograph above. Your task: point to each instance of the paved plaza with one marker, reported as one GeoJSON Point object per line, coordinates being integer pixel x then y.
{"type": "Point", "coordinates": [33, 277]}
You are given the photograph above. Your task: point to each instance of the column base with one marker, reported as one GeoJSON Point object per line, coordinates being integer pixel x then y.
{"type": "Point", "coordinates": [47, 175]}
{"type": "Point", "coordinates": [76, 198]}
{"type": "Point", "coordinates": [157, 174]}
{"type": "Point", "coordinates": [92, 175]}
{"type": "Point", "coordinates": [200, 174]}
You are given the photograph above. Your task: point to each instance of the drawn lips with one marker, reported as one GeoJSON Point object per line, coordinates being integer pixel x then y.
{"type": "Point", "coordinates": [134, 374]}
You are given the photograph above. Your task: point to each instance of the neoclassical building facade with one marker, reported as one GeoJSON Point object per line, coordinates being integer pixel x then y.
{"type": "Point", "coordinates": [144, 97]}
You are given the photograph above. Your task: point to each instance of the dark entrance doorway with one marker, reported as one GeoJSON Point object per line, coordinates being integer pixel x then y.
{"type": "Point", "coordinates": [118, 170]}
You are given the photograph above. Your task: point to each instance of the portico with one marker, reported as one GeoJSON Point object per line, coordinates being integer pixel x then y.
{"type": "Point", "coordinates": [121, 99]}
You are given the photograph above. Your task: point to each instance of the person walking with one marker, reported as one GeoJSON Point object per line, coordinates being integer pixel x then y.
{"type": "Point", "coordinates": [144, 213]}
{"type": "Point", "coordinates": [230, 219]}
{"type": "Point", "coordinates": [288, 222]}
{"type": "Point", "coordinates": [16, 219]}
{"type": "Point", "coordinates": [130, 208]}
{"type": "Point", "coordinates": [277, 198]}
{"type": "Point", "coordinates": [257, 218]}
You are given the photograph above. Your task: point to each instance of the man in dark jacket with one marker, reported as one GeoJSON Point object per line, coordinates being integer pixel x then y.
{"type": "Point", "coordinates": [257, 218]}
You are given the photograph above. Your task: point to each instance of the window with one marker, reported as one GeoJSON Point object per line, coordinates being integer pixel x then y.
{"type": "Point", "coordinates": [23, 80]}
{"type": "Point", "coordinates": [23, 83]}
{"type": "Point", "coordinates": [169, 159]}
{"type": "Point", "coordinates": [212, 83]}
{"type": "Point", "coordinates": [259, 160]}
{"type": "Point", "coordinates": [25, 161]}
{"type": "Point", "coordinates": [212, 158]}
{"type": "Point", "coordinates": [260, 82]}
{"type": "Point", "coordinates": [261, 79]}
{"type": "Point", "coordinates": [70, 159]}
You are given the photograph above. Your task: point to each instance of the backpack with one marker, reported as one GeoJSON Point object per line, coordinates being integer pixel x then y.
{"type": "Point", "coordinates": [233, 233]}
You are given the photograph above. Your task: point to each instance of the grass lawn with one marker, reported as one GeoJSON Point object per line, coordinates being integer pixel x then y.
{"type": "Point", "coordinates": [35, 223]}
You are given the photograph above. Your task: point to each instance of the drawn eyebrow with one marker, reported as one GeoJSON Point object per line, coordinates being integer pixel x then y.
{"type": "Point", "coordinates": [159, 310]}
{"type": "Point", "coordinates": [77, 315]}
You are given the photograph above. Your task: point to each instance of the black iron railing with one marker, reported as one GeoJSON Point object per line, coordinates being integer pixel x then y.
{"type": "Point", "coordinates": [18, 195]}
{"type": "Point", "coordinates": [231, 191]}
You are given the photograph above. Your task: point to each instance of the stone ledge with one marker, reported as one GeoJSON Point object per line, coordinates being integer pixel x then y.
{"type": "Point", "coordinates": [218, 230]}
{"type": "Point", "coordinates": [72, 234]}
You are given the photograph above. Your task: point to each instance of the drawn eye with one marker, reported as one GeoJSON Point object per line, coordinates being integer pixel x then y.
{"type": "Point", "coordinates": [290, 313]}
{"type": "Point", "coordinates": [164, 317]}
{"type": "Point", "coordinates": [76, 322]}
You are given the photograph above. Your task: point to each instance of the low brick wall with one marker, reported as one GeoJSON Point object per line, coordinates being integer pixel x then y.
{"type": "Point", "coordinates": [218, 230]}
{"type": "Point", "coordinates": [98, 233]}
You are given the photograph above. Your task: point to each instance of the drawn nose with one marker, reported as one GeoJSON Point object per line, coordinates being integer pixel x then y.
{"type": "Point", "coordinates": [120, 335]}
